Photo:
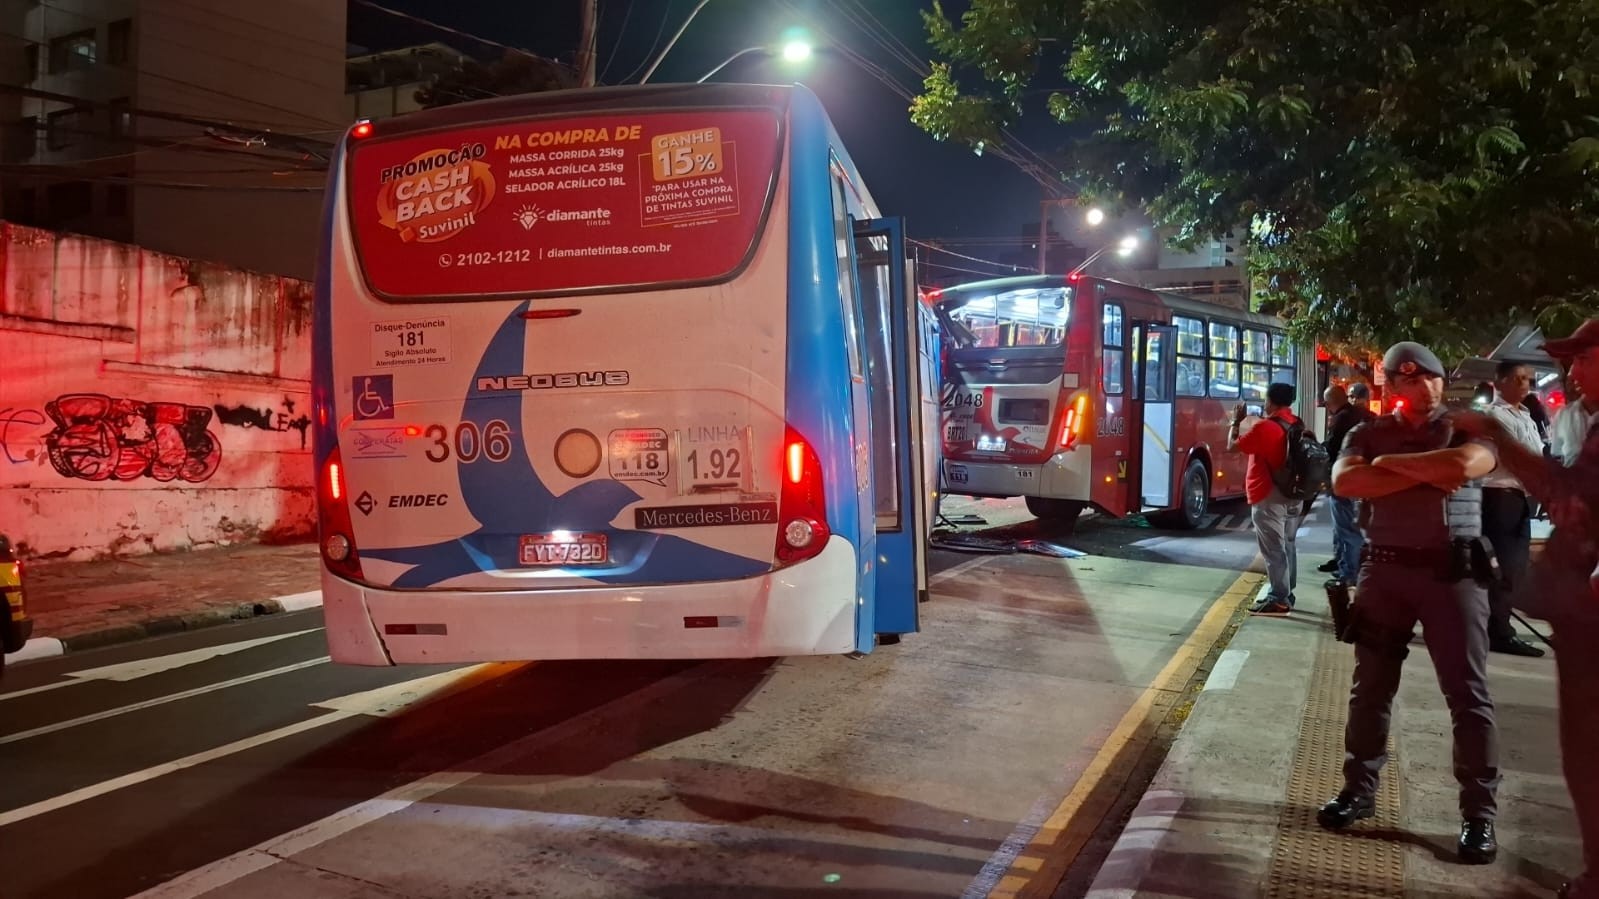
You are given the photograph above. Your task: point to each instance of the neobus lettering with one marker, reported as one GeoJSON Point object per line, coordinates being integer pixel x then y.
{"type": "Point", "coordinates": [548, 381]}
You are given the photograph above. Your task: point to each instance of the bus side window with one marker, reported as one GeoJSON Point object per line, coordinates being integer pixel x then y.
{"type": "Point", "coordinates": [1224, 361]}
{"type": "Point", "coordinates": [1114, 340]}
{"type": "Point", "coordinates": [1282, 359]}
{"type": "Point", "coordinates": [875, 288]}
{"type": "Point", "coordinates": [846, 281]}
{"type": "Point", "coordinates": [1257, 365]}
{"type": "Point", "coordinates": [1190, 355]}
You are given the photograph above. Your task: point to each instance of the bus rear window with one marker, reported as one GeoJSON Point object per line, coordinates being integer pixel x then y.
{"type": "Point", "coordinates": [559, 205]}
{"type": "Point", "coordinates": [1015, 318]}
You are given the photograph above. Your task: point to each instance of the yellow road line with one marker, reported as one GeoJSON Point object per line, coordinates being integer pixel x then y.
{"type": "Point", "coordinates": [1063, 835]}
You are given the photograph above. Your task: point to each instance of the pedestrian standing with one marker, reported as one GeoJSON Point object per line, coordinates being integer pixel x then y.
{"type": "Point", "coordinates": [1564, 587]}
{"type": "Point", "coordinates": [1344, 412]}
{"type": "Point", "coordinates": [1506, 508]}
{"type": "Point", "coordinates": [1274, 515]}
{"type": "Point", "coordinates": [1420, 485]}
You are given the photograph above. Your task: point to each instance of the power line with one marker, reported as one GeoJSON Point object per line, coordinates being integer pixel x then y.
{"type": "Point", "coordinates": [970, 271]}
{"type": "Point", "coordinates": [173, 185]}
{"type": "Point", "coordinates": [940, 249]}
{"type": "Point", "coordinates": [445, 29]}
{"type": "Point", "coordinates": [666, 16]}
{"type": "Point", "coordinates": [627, 16]}
{"type": "Point", "coordinates": [318, 149]}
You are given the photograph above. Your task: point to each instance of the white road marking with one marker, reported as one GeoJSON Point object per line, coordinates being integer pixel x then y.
{"type": "Point", "coordinates": [159, 700]}
{"type": "Point", "coordinates": [1224, 674]}
{"type": "Point", "coordinates": [37, 648]}
{"type": "Point", "coordinates": [383, 701]}
{"type": "Point", "coordinates": [220, 873]}
{"type": "Point", "coordinates": [958, 570]}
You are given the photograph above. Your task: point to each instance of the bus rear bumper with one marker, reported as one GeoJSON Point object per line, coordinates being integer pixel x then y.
{"type": "Point", "coordinates": [805, 609]}
{"type": "Point", "coordinates": [1067, 475]}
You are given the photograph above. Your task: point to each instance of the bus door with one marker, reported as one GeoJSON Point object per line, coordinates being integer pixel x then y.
{"type": "Point", "coordinates": [898, 392]}
{"type": "Point", "coordinates": [1155, 386]}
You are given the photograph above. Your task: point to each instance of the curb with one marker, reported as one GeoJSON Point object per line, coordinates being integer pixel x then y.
{"type": "Point", "coordinates": [47, 647]}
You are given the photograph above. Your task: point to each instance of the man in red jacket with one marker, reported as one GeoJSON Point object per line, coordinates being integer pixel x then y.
{"type": "Point", "coordinates": [1276, 517]}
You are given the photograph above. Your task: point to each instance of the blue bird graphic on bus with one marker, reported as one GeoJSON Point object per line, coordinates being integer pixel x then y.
{"type": "Point", "coordinates": [509, 499]}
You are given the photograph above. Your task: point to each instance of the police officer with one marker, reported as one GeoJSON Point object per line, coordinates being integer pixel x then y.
{"type": "Point", "coordinates": [1419, 482]}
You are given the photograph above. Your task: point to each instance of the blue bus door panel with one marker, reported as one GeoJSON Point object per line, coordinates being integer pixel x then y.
{"type": "Point", "coordinates": [1157, 393]}
{"type": "Point", "coordinates": [861, 350]}
{"type": "Point", "coordinates": [893, 358]}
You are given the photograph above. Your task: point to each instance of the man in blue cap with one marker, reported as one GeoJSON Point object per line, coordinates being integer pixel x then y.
{"type": "Point", "coordinates": [1420, 483]}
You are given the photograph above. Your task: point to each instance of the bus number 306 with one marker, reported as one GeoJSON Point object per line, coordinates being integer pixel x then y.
{"type": "Point", "coordinates": [493, 442]}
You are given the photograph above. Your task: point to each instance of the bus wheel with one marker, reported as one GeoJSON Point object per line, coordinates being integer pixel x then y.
{"type": "Point", "coordinates": [1062, 512]}
{"type": "Point", "coordinates": [1195, 499]}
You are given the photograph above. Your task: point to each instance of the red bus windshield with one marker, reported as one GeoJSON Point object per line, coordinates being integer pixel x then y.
{"type": "Point", "coordinates": [574, 203]}
{"type": "Point", "coordinates": [1028, 316]}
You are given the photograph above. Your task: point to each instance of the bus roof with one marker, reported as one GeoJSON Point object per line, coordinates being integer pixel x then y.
{"type": "Point", "coordinates": [588, 100]}
{"type": "Point", "coordinates": [1174, 301]}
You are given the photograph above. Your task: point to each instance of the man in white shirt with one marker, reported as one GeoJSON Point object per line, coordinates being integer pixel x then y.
{"type": "Point", "coordinates": [1506, 510]}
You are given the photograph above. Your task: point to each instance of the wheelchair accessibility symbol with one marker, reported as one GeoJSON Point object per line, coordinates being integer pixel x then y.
{"type": "Point", "coordinates": [374, 396]}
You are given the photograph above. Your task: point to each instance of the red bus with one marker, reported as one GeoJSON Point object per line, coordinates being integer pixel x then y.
{"type": "Point", "coordinates": [1074, 391]}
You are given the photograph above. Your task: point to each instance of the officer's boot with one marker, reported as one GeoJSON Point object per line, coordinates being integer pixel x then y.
{"type": "Point", "coordinates": [1338, 600]}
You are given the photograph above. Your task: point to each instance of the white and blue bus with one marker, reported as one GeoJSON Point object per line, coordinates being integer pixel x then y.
{"type": "Point", "coordinates": [631, 372]}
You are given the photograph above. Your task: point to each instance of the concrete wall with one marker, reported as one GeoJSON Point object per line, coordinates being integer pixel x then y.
{"type": "Point", "coordinates": [148, 402]}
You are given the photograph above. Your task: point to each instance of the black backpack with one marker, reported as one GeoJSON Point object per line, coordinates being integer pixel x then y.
{"type": "Point", "coordinates": [1308, 468]}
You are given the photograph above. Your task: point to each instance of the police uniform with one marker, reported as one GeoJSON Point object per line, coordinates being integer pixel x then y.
{"type": "Point", "coordinates": [1411, 571]}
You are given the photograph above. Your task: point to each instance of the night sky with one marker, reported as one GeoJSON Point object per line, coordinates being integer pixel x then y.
{"type": "Point", "coordinates": [942, 190]}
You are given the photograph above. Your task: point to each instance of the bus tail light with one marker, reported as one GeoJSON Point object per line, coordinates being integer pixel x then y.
{"type": "Point", "coordinates": [1071, 428]}
{"type": "Point", "coordinates": [333, 520]}
{"type": "Point", "coordinates": [802, 509]}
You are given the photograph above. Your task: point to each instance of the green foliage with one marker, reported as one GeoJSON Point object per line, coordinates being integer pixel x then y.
{"type": "Point", "coordinates": [1425, 170]}
{"type": "Point", "coordinates": [514, 73]}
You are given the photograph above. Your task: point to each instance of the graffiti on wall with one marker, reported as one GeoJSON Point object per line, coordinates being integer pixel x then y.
{"type": "Point", "coordinates": [266, 418]}
{"type": "Point", "coordinates": [19, 427]}
{"type": "Point", "coordinates": [98, 438]}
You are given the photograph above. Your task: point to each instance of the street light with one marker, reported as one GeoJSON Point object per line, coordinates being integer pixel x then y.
{"type": "Point", "coordinates": [1094, 217]}
{"type": "Point", "coordinates": [793, 51]}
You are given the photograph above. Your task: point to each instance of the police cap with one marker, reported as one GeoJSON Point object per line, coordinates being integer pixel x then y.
{"type": "Point", "coordinates": [1408, 357]}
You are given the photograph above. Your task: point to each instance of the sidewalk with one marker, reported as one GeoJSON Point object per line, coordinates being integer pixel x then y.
{"type": "Point", "coordinates": [80, 605]}
{"type": "Point", "coordinates": [1231, 812]}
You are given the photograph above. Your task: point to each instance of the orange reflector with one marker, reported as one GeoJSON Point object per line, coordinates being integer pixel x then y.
{"type": "Point", "coordinates": [796, 462]}
{"type": "Point", "coordinates": [413, 430]}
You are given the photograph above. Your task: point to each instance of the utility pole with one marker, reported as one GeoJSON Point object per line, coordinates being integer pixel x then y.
{"type": "Point", "coordinates": [586, 43]}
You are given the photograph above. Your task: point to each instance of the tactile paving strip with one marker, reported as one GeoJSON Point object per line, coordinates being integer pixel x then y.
{"type": "Point", "coordinates": [1308, 862]}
